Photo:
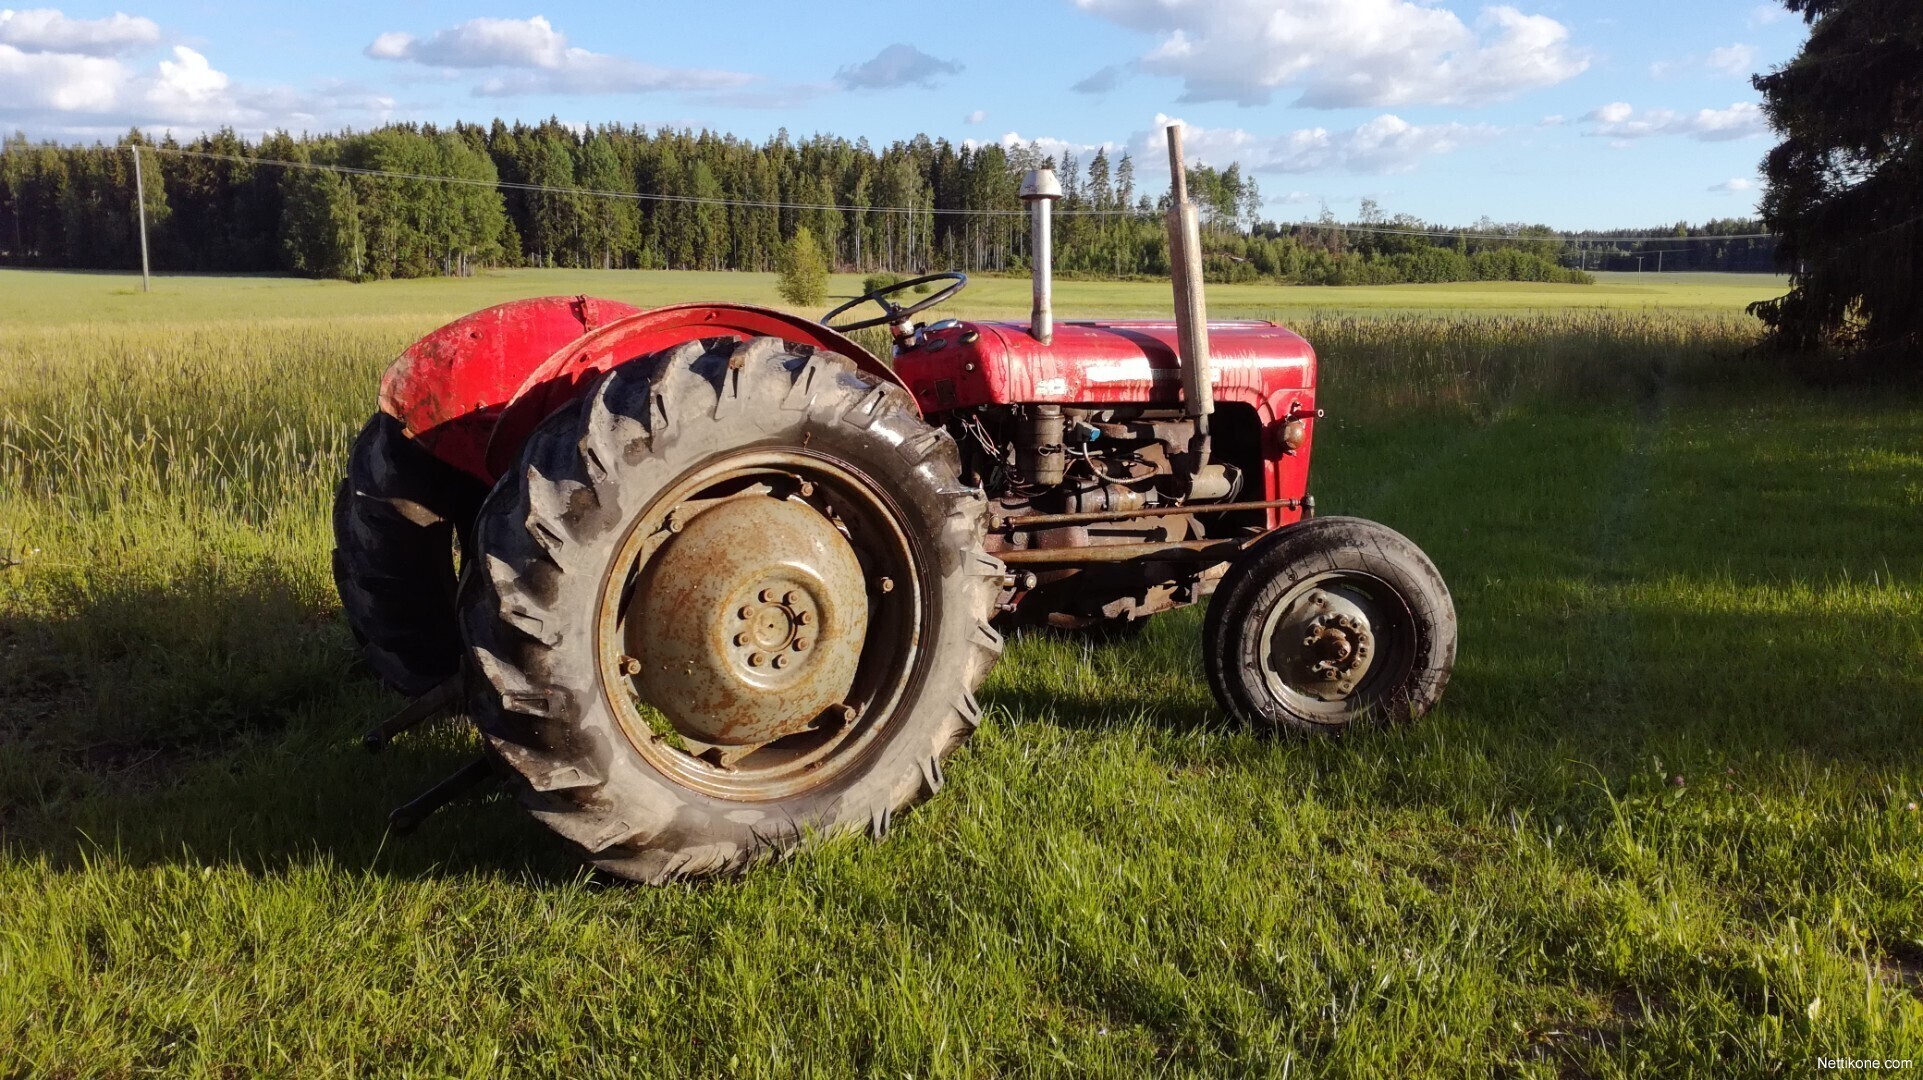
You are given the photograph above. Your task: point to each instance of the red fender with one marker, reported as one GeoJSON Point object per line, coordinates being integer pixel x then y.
{"type": "Point", "coordinates": [449, 387]}
{"type": "Point", "coordinates": [472, 391]}
{"type": "Point", "coordinates": [568, 373]}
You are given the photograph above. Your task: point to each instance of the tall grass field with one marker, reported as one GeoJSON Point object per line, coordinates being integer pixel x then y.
{"type": "Point", "coordinates": [1665, 822]}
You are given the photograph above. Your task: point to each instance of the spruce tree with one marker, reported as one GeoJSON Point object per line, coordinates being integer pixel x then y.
{"type": "Point", "coordinates": [1845, 186]}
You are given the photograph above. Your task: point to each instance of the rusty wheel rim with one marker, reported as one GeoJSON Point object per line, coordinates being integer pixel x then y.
{"type": "Point", "coordinates": [1335, 644]}
{"type": "Point", "coordinates": [774, 620]}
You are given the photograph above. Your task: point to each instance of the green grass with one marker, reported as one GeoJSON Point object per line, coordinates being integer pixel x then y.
{"type": "Point", "coordinates": [1663, 823]}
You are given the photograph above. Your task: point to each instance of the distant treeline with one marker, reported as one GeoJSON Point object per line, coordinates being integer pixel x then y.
{"type": "Point", "coordinates": [553, 195]}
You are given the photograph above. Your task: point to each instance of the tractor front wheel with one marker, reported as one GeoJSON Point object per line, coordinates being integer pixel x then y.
{"type": "Point", "coordinates": [1328, 624]}
{"type": "Point", "coordinates": [732, 598]}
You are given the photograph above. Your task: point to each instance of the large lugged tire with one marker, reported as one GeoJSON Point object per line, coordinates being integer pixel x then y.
{"type": "Point", "coordinates": [396, 518]}
{"type": "Point", "coordinates": [733, 597]}
{"type": "Point", "coordinates": [1328, 624]}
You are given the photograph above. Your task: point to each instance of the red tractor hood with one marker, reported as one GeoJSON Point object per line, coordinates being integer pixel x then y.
{"type": "Point", "coordinates": [1123, 362]}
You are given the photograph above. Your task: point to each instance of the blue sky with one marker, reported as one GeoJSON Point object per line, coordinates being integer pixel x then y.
{"type": "Point", "coordinates": [1576, 115]}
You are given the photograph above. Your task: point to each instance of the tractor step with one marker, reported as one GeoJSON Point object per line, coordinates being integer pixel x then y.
{"type": "Point", "coordinates": [473, 776]}
{"type": "Point", "coordinates": [428, 705]}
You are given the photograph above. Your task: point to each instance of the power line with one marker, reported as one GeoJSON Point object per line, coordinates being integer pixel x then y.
{"type": "Point", "coordinates": [756, 204]}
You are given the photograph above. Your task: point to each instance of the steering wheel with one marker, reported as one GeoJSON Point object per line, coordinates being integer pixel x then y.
{"type": "Point", "coordinates": [893, 314]}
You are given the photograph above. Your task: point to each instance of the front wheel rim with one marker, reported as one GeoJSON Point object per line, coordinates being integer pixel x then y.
{"type": "Point", "coordinates": [1336, 644]}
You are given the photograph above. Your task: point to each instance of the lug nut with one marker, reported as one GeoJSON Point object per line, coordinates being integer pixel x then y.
{"type": "Point", "coordinates": [802, 644]}
{"type": "Point", "coordinates": [781, 661]}
{"type": "Point", "coordinates": [741, 639]}
{"type": "Point", "coordinates": [767, 596]}
{"type": "Point", "coordinates": [887, 584]}
{"type": "Point", "coordinates": [757, 659]}
{"type": "Point", "coordinates": [630, 666]}
{"type": "Point", "coordinates": [806, 618]}
{"type": "Point", "coordinates": [746, 612]}
{"type": "Point", "coordinates": [791, 598]}
{"type": "Point", "coordinates": [807, 488]}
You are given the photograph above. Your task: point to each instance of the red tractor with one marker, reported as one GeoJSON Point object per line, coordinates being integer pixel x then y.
{"type": "Point", "coordinates": [727, 581]}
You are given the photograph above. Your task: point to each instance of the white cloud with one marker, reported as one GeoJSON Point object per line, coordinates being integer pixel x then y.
{"type": "Point", "coordinates": [390, 46]}
{"type": "Point", "coordinates": [896, 66]}
{"type": "Point", "coordinates": [1734, 186]}
{"type": "Point", "coordinates": [1046, 145]}
{"type": "Point", "coordinates": [975, 117]}
{"type": "Point", "coordinates": [1386, 144]}
{"type": "Point", "coordinates": [60, 82]}
{"type": "Point", "coordinates": [537, 59]}
{"type": "Point", "coordinates": [1342, 53]}
{"type": "Point", "coordinates": [479, 43]}
{"type": "Point", "coordinates": [187, 79]}
{"type": "Point", "coordinates": [1552, 120]}
{"type": "Point", "coordinates": [1732, 59]}
{"type": "Point", "coordinates": [1765, 14]}
{"type": "Point", "coordinates": [1619, 121]}
{"type": "Point", "coordinates": [1104, 80]}
{"type": "Point", "coordinates": [78, 95]}
{"type": "Point", "coordinates": [1729, 60]}
{"type": "Point", "coordinates": [48, 30]}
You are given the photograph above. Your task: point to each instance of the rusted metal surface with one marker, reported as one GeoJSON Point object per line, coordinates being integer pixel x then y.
{"type": "Point", "coordinates": [749, 622]}
{"type": "Point", "coordinates": [1322, 644]}
{"type": "Point", "coordinates": [443, 697]}
{"type": "Point", "coordinates": [1170, 551]}
{"type": "Point", "coordinates": [448, 388]}
{"type": "Point", "coordinates": [1185, 274]}
{"type": "Point", "coordinates": [552, 381]}
{"type": "Point", "coordinates": [1093, 517]}
{"type": "Point", "coordinates": [667, 627]}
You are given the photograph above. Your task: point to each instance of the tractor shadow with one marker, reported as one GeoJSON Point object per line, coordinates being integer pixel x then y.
{"type": "Point", "coordinates": [217, 722]}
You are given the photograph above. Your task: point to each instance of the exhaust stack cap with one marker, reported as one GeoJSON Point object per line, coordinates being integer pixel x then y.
{"type": "Point", "coordinates": [1040, 184]}
{"type": "Point", "coordinates": [1040, 189]}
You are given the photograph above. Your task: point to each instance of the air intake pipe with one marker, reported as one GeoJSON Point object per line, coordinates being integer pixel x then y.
{"type": "Point", "coordinates": [1039, 190]}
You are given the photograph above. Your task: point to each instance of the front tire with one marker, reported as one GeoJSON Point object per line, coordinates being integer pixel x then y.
{"type": "Point", "coordinates": [732, 598]}
{"type": "Point", "coordinates": [1330, 624]}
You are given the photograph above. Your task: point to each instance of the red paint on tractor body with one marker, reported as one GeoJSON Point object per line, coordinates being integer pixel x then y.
{"type": "Point", "coordinates": [1267, 367]}
{"type": "Point", "coordinates": [566, 374]}
{"type": "Point", "coordinates": [448, 388]}
{"type": "Point", "coordinates": [472, 391]}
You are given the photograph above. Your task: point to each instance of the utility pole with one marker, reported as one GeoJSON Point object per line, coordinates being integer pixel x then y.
{"type": "Point", "coordinates": [1639, 263]}
{"type": "Point", "coordinates": [1659, 260]}
{"type": "Point", "coordinates": [140, 209]}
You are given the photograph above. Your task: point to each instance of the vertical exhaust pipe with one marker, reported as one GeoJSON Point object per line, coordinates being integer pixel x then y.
{"type": "Point", "coordinates": [1039, 190]}
{"type": "Point", "coordinates": [1191, 314]}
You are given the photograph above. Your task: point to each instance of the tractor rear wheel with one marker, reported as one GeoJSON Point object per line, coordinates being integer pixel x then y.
{"type": "Point", "coordinates": [1329, 624]}
{"type": "Point", "coordinates": [733, 597]}
{"type": "Point", "coordinates": [398, 515]}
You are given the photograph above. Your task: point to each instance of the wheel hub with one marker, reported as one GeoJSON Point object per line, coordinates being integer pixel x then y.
{"type": "Point", "coordinates": [1324, 643]}
{"type": "Point", "coordinates": [749, 622]}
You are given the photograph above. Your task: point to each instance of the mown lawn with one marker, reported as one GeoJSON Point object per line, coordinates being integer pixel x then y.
{"type": "Point", "coordinates": [1664, 824]}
